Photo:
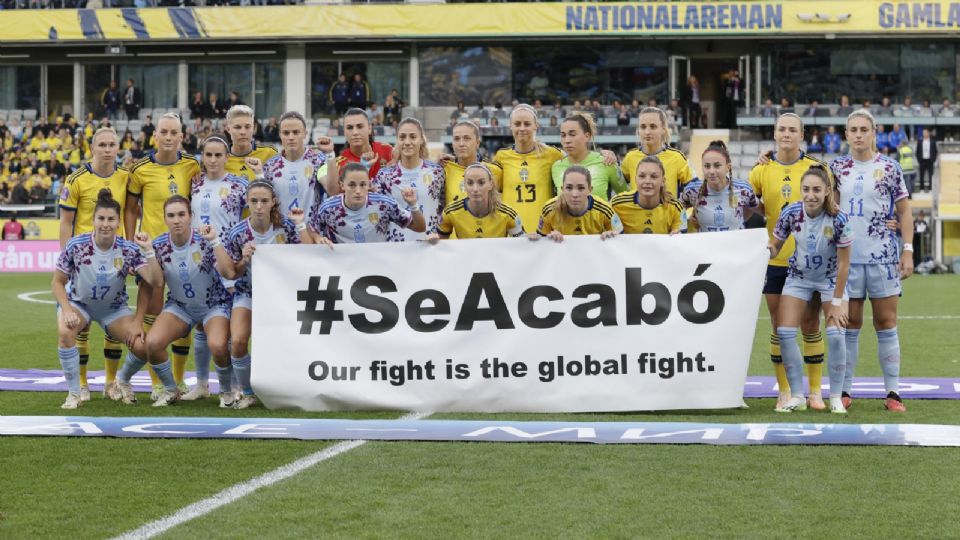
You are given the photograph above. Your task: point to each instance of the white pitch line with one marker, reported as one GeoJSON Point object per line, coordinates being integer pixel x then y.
{"type": "Point", "coordinates": [238, 491]}
{"type": "Point", "coordinates": [910, 317]}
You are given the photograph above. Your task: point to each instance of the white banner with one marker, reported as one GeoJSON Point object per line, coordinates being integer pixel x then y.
{"type": "Point", "coordinates": [639, 322]}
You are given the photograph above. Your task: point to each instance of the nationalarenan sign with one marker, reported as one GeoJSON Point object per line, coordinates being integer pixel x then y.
{"type": "Point", "coordinates": [638, 322]}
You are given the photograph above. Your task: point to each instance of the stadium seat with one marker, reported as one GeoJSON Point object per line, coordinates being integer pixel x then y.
{"type": "Point", "coordinates": [751, 148]}
{"type": "Point", "coordinates": [735, 148]}
{"type": "Point", "coordinates": [3, 114]}
{"type": "Point", "coordinates": [29, 114]}
{"type": "Point", "coordinates": [15, 114]}
{"type": "Point", "coordinates": [120, 126]}
{"type": "Point", "coordinates": [134, 126]}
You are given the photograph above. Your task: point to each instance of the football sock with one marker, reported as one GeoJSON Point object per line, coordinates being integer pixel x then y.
{"type": "Point", "coordinates": [837, 359]}
{"type": "Point", "coordinates": [792, 360]}
{"type": "Point", "coordinates": [889, 352]}
{"type": "Point", "coordinates": [70, 361]}
{"type": "Point", "coordinates": [852, 340]}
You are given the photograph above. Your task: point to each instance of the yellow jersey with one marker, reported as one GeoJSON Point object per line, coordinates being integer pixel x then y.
{"type": "Point", "coordinates": [503, 221]}
{"type": "Point", "coordinates": [777, 185]}
{"type": "Point", "coordinates": [236, 164]}
{"type": "Point", "coordinates": [154, 183]}
{"type": "Point", "coordinates": [453, 172]}
{"type": "Point", "coordinates": [665, 218]}
{"type": "Point", "coordinates": [527, 181]}
{"type": "Point", "coordinates": [676, 168]}
{"type": "Point", "coordinates": [599, 217]}
{"type": "Point", "coordinates": [80, 190]}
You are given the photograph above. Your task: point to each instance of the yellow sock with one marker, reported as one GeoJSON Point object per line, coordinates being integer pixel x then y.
{"type": "Point", "coordinates": [181, 350]}
{"type": "Point", "coordinates": [778, 369]}
{"type": "Point", "coordinates": [112, 352]}
{"type": "Point", "coordinates": [148, 321]}
{"type": "Point", "coordinates": [813, 359]}
{"type": "Point", "coordinates": [83, 347]}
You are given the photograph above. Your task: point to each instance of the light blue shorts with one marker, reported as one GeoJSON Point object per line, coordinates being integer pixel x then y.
{"type": "Point", "coordinates": [242, 301]}
{"type": "Point", "coordinates": [804, 290]}
{"type": "Point", "coordinates": [103, 317]}
{"type": "Point", "coordinates": [873, 280]}
{"type": "Point", "coordinates": [193, 316]}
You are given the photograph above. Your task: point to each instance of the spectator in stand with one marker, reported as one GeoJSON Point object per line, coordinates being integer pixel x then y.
{"type": "Point", "coordinates": [110, 100]}
{"type": "Point", "coordinates": [359, 95]}
{"type": "Point", "coordinates": [735, 98]}
{"type": "Point", "coordinates": [460, 113]}
{"type": "Point", "coordinates": [198, 108]}
{"type": "Point", "coordinates": [815, 145]}
{"type": "Point", "coordinates": [867, 105]}
{"type": "Point", "coordinates": [947, 109]}
{"type": "Point", "coordinates": [895, 137]}
{"type": "Point", "coordinates": [214, 107]}
{"type": "Point", "coordinates": [190, 141]}
{"type": "Point", "coordinates": [20, 193]}
{"type": "Point", "coordinates": [786, 106]}
{"type": "Point", "coordinates": [883, 140]}
{"type": "Point", "coordinates": [13, 229]}
{"type": "Point", "coordinates": [234, 100]}
{"type": "Point", "coordinates": [690, 97]}
{"type": "Point", "coordinates": [127, 142]}
{"type": "Point", "coordinates": [132, 99]}
{"type": "Point", "coordinates": [147, 129]}
{"type": "Point", "coordinates": [927, 158]}
{"type": "Point", "coordinates": [335, 129]}
{"type": "Point", "coordinates": [623, 116]}
{"type": "Point", "coordinates": [925, 109]}
{"type": "Point", "coordinates": [498, 111]}
{"type": "Point", "coordinates": [376, 117]}
{"type": "Point", "coordinates": [271, 133]}
{"type": "Point", "coordinates": [813, 109]}
{"type": "Point", "coordinates": [675, 112]}
{"type": "Point", "coordinates": [885, 108]}
{"type": "Point", "coordinates": [558, 110]}
{"type": "Point", "coordinates": [907, 165]}
{"type": "Point", "coordinates": [392, 108]}
{"type": "Point", "coordinates": [845, 108]}
{"type": "Point", "coordinates": [339, 95]}
{"type": "Point", "coordinates": [831, 141]}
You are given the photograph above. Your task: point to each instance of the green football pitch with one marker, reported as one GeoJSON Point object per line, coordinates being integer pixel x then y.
{"type": "Point", "coordinates": [56, 487]}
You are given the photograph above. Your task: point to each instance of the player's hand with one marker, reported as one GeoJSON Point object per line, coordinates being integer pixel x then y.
{"type": "Point", "coordinates": [533, 237]}
{"type": "Point", "coordinates": [322, 240]}
{"type": "Point", "coordinates": [71, 318]}
{"type": "Point", "coordinates": [447, 157]}
{"type": "Point", "coordinates": [368, 154]}
{"type": "Point", "coordinates": [765, 157]}
{"type": "Point", "coordinates": [609, 158]}
{"type": "Point", "coordinates": [208, 232]}
{"type": "Point", "coordinates": [906, 264]}
{"type": "Point", "coordinates": [607, 235]}
{"type": "Point", "coordinates": [838, 314]}
{"type": "Point", "coordinates": [296, 215]}
{"type": "Point", "coordinates": [772, 249]}
{"type": "Point", "coordinates": [409, 195]}
{"type": "Point", "coordinates": [556, 236]}
{"type": "Point", "coordinates": [143, 240]}
{"type": "Point", "coordinates": [247, 252]}
{"type": "Point", "coordinates": [893, 224]}
{"type": "Point", "coordinates": [432, 239]}
{"type": "Point", "coordinates": [255, 165]}
{"type": "Point", "coordinates": [137, 335]}
{"type": "Point", "coordinates": [324, 143]}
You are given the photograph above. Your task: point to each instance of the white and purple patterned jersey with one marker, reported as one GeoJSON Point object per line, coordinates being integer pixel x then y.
{"type": "Point", "coordinates": [99, 278]}
{"type": "Point", "coordinates": [218, 202]}
{"type": "Point", "coordinates": [817, 239]}
{"type": "Point", "coordinates": [243, 233]}
{"type": "Point", "coordinates": [429, 182]}
{"type": "Point", "coordinates": [371, 223]}
{"type": "Point", "coordinates": [869, 191]}
{"type": "Point", "coordinates": [295, 182]}
{"type": "Point", "coordinates": [191, 272]}
{"type": "Point", "coordinates": [714, 212]}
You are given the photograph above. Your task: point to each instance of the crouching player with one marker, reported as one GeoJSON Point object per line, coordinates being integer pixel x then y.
{"type": "Point", "coordinates": [819, 265]}
{"type": "Point", "coordinates": [90, 284]}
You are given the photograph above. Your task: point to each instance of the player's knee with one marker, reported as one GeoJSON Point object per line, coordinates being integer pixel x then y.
{"type": "Point", "coordinates": [66, 338]}
{"type": "Point", "coordinates": [238, 347]}
{"type": "Point", "coordinates": [218, 349]}
{"type": "Point", "coordinates": [154, 345]}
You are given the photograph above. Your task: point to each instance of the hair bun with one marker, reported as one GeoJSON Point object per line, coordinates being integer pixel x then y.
{"type": "Point", "coordinates": [717, 144]}
{"type": "Point", "coordinates": [105, 195]}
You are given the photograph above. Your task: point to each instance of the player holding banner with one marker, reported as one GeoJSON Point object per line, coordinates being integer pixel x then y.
{"type": "Point", "coordinates": [577, 210]}
{"type": "Point", "coordinates": [234, 257]}
{"type": "Point", "coordinates": [819, 266]}
{"type": "Point", "coordinates": [481, 214]}
{"type": "Point", "coordinates": [651, 208]}
{"type": "Point", "coordinates": [90, 285]}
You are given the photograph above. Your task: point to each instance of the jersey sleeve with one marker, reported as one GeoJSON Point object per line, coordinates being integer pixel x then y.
{"type": "Point", "coordinates": [65, 262]}
{"type": "Point", "coordinates": [514, 225]}
{"type": "Point", "coordinates": [685, 174]}
{"type": "Point", "coordinates": [446, 224]}
{"type": "Point", "coordinates": [497, 172]}
{"type": "Point", "coordinates": [70, 195]}
{"type": "Point", "coordinates": [781, 231]}
{"type": "Point", "coordinates": [234, 245]}
{"type": "Point", "coordinates": [556, 172]}
{"type": "Point", "coordinates": [615, 179]}
{"type": "Point", "coordinates": [614, 223]}
{"type": "Point", "coordinates": [756, 180]}
{"type": "Point", "coordinates": [545, 226]}
{"type": "Point", "coordinates": [400, 216]}
{"type": "Point", "coordinates": [899, 185]}
{"type": "Point", "coordinates": [842, 231]}
{"type": "Point", "coordinates": [135, 184]}
{"type": "Point", "coordinates": [748, 198]}
{"type": "Point", "coordinates": [134, 257]}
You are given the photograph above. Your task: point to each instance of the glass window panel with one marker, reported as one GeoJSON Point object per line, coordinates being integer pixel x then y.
{"type": "Point", "coordinates": [322, 76]}
{"type": "Point", "coordinates": [927, 71]}
{"type": "Point", "coordinates": [20, 87]}
{"type": "Point", "coordinates": [157, 83]}
{"type": "Point", "coordinates": [468, 74]}
{"type": "Point", "coordinates": [269, 90]}
{"type": "Point", "coordinates": [96, 79]}
{"type": "Point", "coordinates": [221, 79]}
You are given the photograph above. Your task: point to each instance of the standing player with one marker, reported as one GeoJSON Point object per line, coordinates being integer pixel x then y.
{"type": "Point", "coordinates": [653, 131]}
{"type": "Point", "coordinates": [576, 210]}
{"type": "Point", "coordinates": [218, 198]}
{"type": "Point", "coordinates": [819, 266]}
{"type": "Point", "coordinates": [264, 226]}
{"type": "Point", "coordinates": [356, 216]}
{"type": "Point", "coordinates": [577, 133]}
{"type": "Point", "coordinates": [413, 170]}
{"type": "Point", "coordinates": [872, 191]}
{"type": "Point", "coordinates": [297, 171]}
{"type": "Point", "coordinates": [651, 208]}
{"type": "Point", "coordinates": [240, 124]}
{"type": "Point", "coordinates": [162, 173]}
{"type": "Point", "coordinates": [90, 285]}
{"type": "Point", "coordinates": [719, 202]}
{"type": "Point", "coordinates": [466, 152]}
{"type": "Point", "coordinates": [78, 197]}
{"type": "Point", "coordinates": [480, 214]}
{"type": "Point", "coordinates": [776, 182]}
{"type": "Point", "coordinates": [197, 296]}
{"type": "Point", "coordinates": [361, 148]}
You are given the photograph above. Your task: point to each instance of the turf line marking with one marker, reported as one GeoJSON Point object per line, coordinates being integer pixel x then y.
{"type": "Point", "coordinates": [910, 317]}
{"type": "Point", "coordinates": [238, 491]}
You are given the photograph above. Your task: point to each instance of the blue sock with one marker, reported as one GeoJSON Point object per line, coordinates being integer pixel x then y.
{"type": "Point", "coordinates": [889, 352]}
{"type": "Point", "coordinates": [853, 354]}
{"type": "Point", "coordinates": [130, 367]}
{"type": "Point", "coordinates": [241, 366]}
{"type": "Point", "coordinates": [234, 381]}
{"type": "Point", "coordinates": [224, 374]}
{"type": "Point", "coordinates": [792, 359]}
{"type": "Point", "coordinates": [836, 359]}
{"type": "Point", "coordinates": [201, 356]}
{"type": "Point", "coordinates": [164, 372]}
{"type": "Point", "coordinates": [70, 361]}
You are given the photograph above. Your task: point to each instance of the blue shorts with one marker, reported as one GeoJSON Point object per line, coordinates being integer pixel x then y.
{"type": "Point", "coordinates": [193, 316]}
{"type": "Point", "coordinates": [242, 301]}
{"type": "Point", "coordinates": [103, 317]}
{"type": "Point", "coordinates": [776, 277]}
{"type": "Point", "coordinates": [804, 290]}
{"type": "Point", "coordinates": [873, 280]}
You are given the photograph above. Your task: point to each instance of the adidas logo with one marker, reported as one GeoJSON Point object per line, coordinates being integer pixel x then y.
{"type": "Point", "coordinates": [171, 177]}
{"type": "Point", "coordinates": [479, 230]}
{"type": "Point", "coordinates": [578, 229]}
{"type": "Point", "coordinates": [648, 222]}
{"type": "Point", "coordinates": [786, 178]}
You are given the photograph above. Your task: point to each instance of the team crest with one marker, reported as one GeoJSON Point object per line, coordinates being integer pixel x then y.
{"type": "Point", "coordinates": [786, 191]}
{"type": "Point", "coordinates": [308, 171]}
{"type": "Point", "coordinates": [197, 257]}
{"type": "Point", "coordinates": [172, 186]}
{"type": "Point", "coordinates": [828, 232]}
{"type": "Point", "coordinates": [373, 217]}
{"type": "Point", "coordinates": [427, 178]}
{"type": "Point", "coordinates": [118, 263]}
{"type": "Point", "coordinates": [877, 174]}
{"type": "Point", "coordinates": [280, 239]}
{"type": "Point", "coordinates": [65, 193]}
{"type": "Point", "coordinates": [224, 191]}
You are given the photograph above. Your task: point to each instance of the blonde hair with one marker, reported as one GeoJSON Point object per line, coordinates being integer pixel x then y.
{"type": "Point", "coordinates": [665, 136]}
{"type": "Point", "coordinates": [238, 110]}
{"type": "Point", "coordinates": [493, 197]}
{"type": "Point", "coordinates": [789, 115]}
{"type": "Point", "coordinates": [105, 129]}
{"type": "Point", "coordinates": [863, 113]}
{"type": "Point", "coordinates": [538, 146]}
{"type": "Point", "coordinates": [424, 153]}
